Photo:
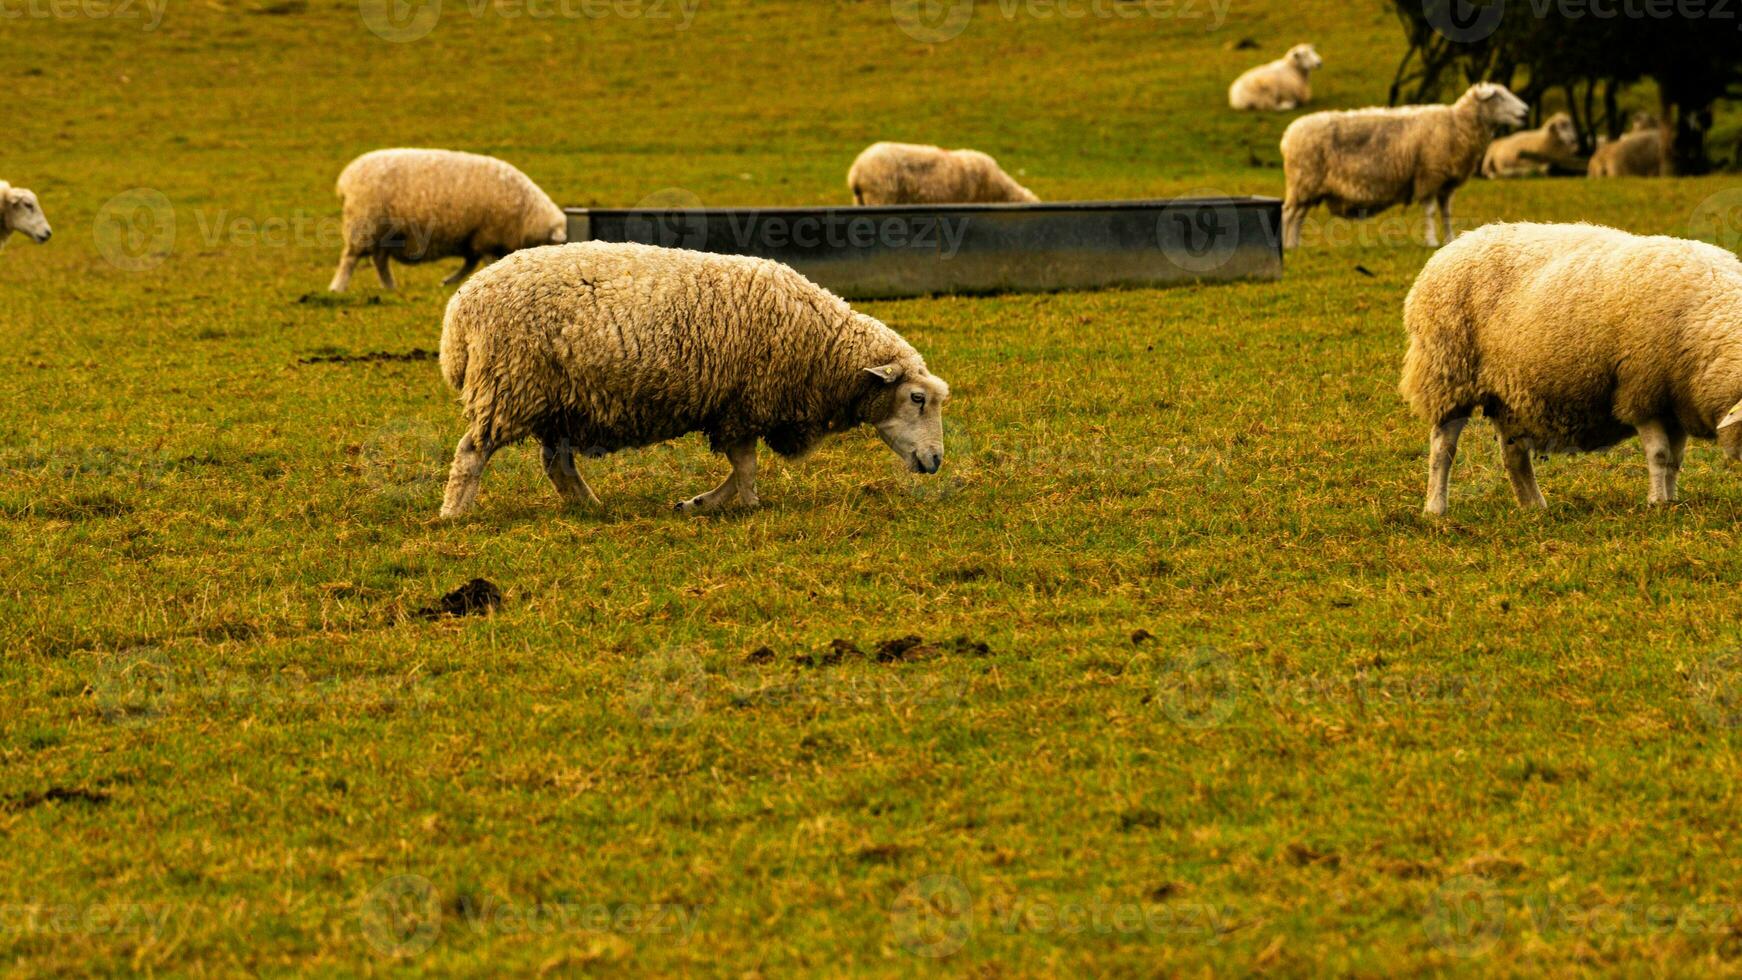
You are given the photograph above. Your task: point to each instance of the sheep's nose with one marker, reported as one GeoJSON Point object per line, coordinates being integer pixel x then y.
{"type": "Point", "coordinates": [47, 234]}
{"type": "Point", "coordinates": [933, 462]}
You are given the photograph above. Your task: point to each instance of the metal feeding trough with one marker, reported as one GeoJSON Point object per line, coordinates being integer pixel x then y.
{"type": "Point", "coordinates": [889, 252]}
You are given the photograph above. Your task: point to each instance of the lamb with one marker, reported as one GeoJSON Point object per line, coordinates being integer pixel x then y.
{"type": "Point", "coordinates": [21, 212]}
{"type": "Point", "coordinates": [608, 346]}
{"type": "Point", "coordinates": [423, 205]}
{"type": "Point", "coordinates": [1527, 154]}
{"type": "Point", "coordinates": [1362, 162]}
{"type": "Point", "coordinates": [1279, 86]}
{"type": "Point", "coordinates": [1638, 153]}
{"type": "Point", "coordinates": [1573, 338]}
{"type": "Point", "coordinates": [906, 173]}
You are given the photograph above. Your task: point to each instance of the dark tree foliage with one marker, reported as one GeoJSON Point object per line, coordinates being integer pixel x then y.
{"type": "Point", "coordinates": [1588, 52]}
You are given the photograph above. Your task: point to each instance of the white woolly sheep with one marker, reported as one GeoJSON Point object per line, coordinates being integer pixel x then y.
{"type": "Point", "coordinates": [907, 173]}
{"type": "Point", "coordinates": [21, 212]}
{"type": "Point", "coordinates": [1571, 338]}
{"type": "Point", "coordinates": [1280, 85]}
{"type": "Point", "coordinates": [1527, 154]}
{"type": "Point", "coordinates": [1638, 153]}
{"type": "Point", "coordinates": [423, 205]}
{"type": "Point", "coordinates": [602, 346]}
{"type": "Point", "coordinates": [1362, 162]}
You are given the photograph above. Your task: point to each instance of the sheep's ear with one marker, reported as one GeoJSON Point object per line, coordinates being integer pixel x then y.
{"type": "Point", "coordinates": [1734, 417]}
{"type": "Point", "coordinates": [886, 373]}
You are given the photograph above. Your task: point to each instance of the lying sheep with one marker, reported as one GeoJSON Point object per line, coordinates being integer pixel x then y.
{"type": "Point", "coordinates": [423, 205]}
{"type": "Point", "coordinates": [604, 347]}
{"type": "Point", "coordinates": [1638, 153]}
{"type": "Point", "coordinates": [1527, 154]}
{"type": "Point", "coordinates": [20, 212]}
{"type": "Point", "coordinates": [1279, 86]}
{"type": "Point", "coordinates": [906, 173]}
{"type": "Point", "coordinates": [1572, 338]}
{"type": "Point", "coordinates": [1362, 162]}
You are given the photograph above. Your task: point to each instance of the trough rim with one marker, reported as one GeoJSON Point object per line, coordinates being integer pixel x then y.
{"type": "Point", "coordinates": [900, 209]}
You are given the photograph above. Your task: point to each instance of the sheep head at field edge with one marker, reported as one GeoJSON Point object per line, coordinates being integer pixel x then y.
{"type": "Point", "coordinates": [1497, 106]}
{"type": "Point", "coordinates": [1730, 433]}
{"type": "Point", "coordinates": [1561, 129]}
{"type": "Point", "coordinates": [1305, 58]}
{"type": "Point", "coordinates": [19, 211]}
{"type": "Point", "coordinates": [908, 412]}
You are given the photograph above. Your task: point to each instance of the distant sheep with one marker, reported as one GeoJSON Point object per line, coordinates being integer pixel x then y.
{"type": "Point", "coordinates": [20, 212]}
{"type": "Point", "coordinates": [1279, 86]}
{"type": "Point", "coordinates": [601, 347]}
{"type": "Point", "coordinates": [1572, 338]}
{"type": "Point", "coordinates": [1362, 162]}
{"type": "Point", "coordinates": [1638, 153]}
{"type": "Point", "coordinates": [423, 205]}
{"type": "Point", "coordinates": [1527, 154]}
{"type": "Point", "coordinates": [906, 173]}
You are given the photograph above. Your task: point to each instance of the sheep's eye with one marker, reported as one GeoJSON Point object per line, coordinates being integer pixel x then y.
{"type": "Point", "coordinates": [918, 399]}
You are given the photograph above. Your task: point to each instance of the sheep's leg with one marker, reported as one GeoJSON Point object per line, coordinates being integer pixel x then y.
{"type": "Point", "coordinates": [1293, 216]}
{"type": "Point", "coordinates": [470, 458]}
{"type": "Point", "coordinates": [465, 270]}
{"type": "Point", "coordinates": [1442, 449]}
{"type": "Point", "coordinates": [1518, 467]}
{"type": "Point", "coordinates": [1433, 231]}
{"type": "Point", "coordinates": [741, 484]}
{"type": "Point", "coordinates": [559, 465]}
{"type": "Point", "coordinates": [347, 265]}
{"type": "Point", "coordinates": [1446, 216]}
{"type": "Point", "coordinates": [383, 271]}
{"type": "Point", "coordinates": [1664, 445]}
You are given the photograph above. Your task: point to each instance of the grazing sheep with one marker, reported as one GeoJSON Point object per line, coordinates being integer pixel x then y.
{"type": "Point", "coordinates": [423, 205]}
{"type": "Point", "coordinates": [1527, 154]}
{"type": "Point", "coordinates": [600, 347]}
{"type": "Point", "coordinates": [906, 173]}
{"type": "Point", "coordinates": [19, 211]}
{"type": "Point", "coordinates": [1572, 338]}
{"type": "Point", "coordinates": [1638, 153]}
{"type": "Point", "coordinates": [1279, 86]}
{"type": "Point", "coordinates": [1362, 162]}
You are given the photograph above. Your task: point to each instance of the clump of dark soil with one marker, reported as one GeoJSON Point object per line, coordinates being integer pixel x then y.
{"type": "Point", "coordinates": [479, 597]}
{"type": "Point", "coordinates": [54, 794]}
{"type": "Point", "coordinates": [373, 357]}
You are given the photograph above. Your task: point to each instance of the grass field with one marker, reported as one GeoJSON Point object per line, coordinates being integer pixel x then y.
{"type": "Point", "coordinates": [1199, 691]}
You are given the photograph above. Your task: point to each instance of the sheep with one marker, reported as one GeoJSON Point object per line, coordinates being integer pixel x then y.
{"type": "Point", "coordinates": [1571, 338]}
{"type": "Point", "coordinates": [423, 205]}
{"type": "Point", "coordinates": [1279, 86]}
{"type": "Point", "coordinates": [1638, 153]}
{"type": "Point", "coordinates": [907, 173]}
{"type": "Point", "coordinates": [20, 212]}
{"type": "Point", "coordinates": [1362, 162]}
{"type": "Point", "coordinates": [1528, 154]}
{"type": "Point", "coordinates": [607, 346]}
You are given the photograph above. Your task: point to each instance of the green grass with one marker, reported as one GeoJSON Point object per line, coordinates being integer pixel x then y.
{"type": "Point", "coordinates": [1240, 707]}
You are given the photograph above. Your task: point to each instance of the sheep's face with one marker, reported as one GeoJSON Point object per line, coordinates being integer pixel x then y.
{"type": "Point", "coordinates": [1499, 107]}
{"type": "Point", "coordinates": [1305, 58]}
{"type": "Point", "coordinates": [1562, 131]}
{"type": "Point", "coordinates": [909, 415]}
{"type": "Point", "coordinates": [23, 213]}
{"type": "Point", "coordinates": [558, 233]}
{"type": "Point", "coordinates": [1730, 433]}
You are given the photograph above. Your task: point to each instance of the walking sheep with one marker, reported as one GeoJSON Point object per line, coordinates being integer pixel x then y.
{"type": "Point", "coordinates": [424, 205]}
{"type": "Point", "coordinates": [1279, 86]}
{"type": "Point", "coordinates": [1527, 154]}
{"type": "Point", "coordinates": [1571, 338]}
{"type": "Point", "coordinates": [20, 212]}
{"type": "Point", "coordinates": [906, 173]}
{"type": "Point", "coordinates": [601, 347]}
{"type": "Point", "coordinates": [1362, 162]}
